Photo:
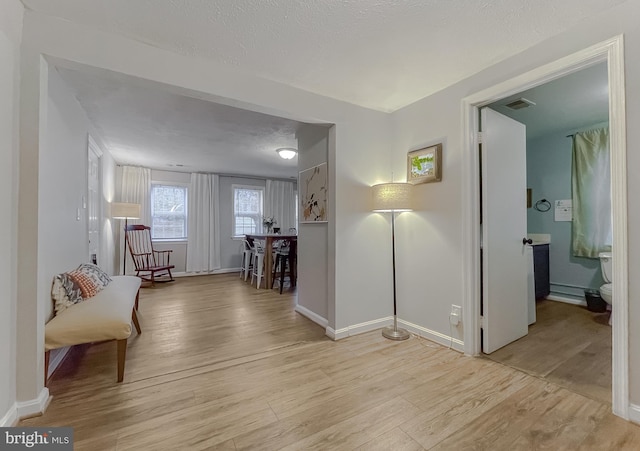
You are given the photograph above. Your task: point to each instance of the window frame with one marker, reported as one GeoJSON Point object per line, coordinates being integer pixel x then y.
{"type": "Point", "coordinates": [234, 214]}
{"type": "Point", "coordinates": [185, 186]}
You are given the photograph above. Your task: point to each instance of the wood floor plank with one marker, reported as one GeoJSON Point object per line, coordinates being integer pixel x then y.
{"type": "Point", "coordinates": [357, 430]}
{"type": "Point", "coordinates": [394, 439]}
{"type": "Point", "coordinates": [221, 365]}
{"type": "Point", "coordinates": [568, 345]}
{"type": "Point", "coordinates": [588, 372]}
{"type": "Point", "coordinates": [612, 434]}
{"type": "Point", "coordinates": [501, 426]}
{"type": "Point", "coordinates": [445, 415]}
{"type": "Point", "coordinates": [312, 417]}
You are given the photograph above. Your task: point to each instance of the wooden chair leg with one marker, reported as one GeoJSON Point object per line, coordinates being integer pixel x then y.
{"type": "Point", "coordinates": [134, 317]}
{"type": "Point", "coordinates": [293, 262]}
{"type": "Point", "coordinates": [137, 299]}
{"type": "Point", "coordinates": [275, 271]}
{"type": "Point", "coordinates": [47, 355]}
{"type": "Point", "coordinates": [283, 267]}
{"type": "Point", "coordinates": [122, 354]}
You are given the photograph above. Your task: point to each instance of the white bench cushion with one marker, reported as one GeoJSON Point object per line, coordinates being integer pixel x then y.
{"type": "Point", "coordinates": [106, 316]}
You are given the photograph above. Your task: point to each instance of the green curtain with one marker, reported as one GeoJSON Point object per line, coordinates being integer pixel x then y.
{"type": "Point", "coordinates": [591, 193]}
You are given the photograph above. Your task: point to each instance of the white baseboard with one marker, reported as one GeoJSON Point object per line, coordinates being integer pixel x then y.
{"type": "Point", "coordinates": [555, 297]}
{"type": "Point", "coordinates": [358, 328]}
{"type": "Point", "coordinates": [205, 273]}
{"type": "Point", "coordinates": [432, 335]}
{"type": "Point", "coordinates": [57, 358]}
{"type": "Point", "coordinates": [634, 413]}
{"type": "Point", "coordinates": [423, 332]}
{"type": "Point", "coordinates": [33, 407]}
{"type": "Point", "coordinates": [312, 316]}
{"type": "Point", "coordinates": [10, 418]}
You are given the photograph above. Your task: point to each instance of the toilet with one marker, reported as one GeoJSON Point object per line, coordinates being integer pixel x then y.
{"type": "Point", "coordinates": [605, 267]}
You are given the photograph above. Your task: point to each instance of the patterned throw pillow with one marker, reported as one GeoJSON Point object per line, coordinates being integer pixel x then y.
{"type": "Point", "coordinates": [85, 283]}
{"type": "Point", "coordinates": [78, 285]}
{"type": "Point", "coordinates": [65, 292]}
{"type": "Point", "coordinates": [93, 275]}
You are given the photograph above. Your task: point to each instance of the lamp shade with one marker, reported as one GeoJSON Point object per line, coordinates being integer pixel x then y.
{"type": "Point", "coordinates": [392, 197]}
{"type": "Point", "coordinates": [123, 210]}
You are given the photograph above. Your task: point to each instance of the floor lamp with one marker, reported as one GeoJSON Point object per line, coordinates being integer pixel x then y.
{"type": "Point", "coordinates": [393, 198]}
{"type": "Point", "coordinates": [126, 211]}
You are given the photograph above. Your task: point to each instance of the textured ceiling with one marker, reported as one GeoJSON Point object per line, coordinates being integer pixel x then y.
{"type": "Point", "coordinates": [144, 125]}
{"type": "Point", "coordinates": [381, 54]}
{"type": "Point", "coordinates": [576, 100]}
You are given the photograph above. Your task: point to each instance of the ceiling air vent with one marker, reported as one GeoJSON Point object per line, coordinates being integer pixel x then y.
{"type": "Point", "coordinates": [520, 104]}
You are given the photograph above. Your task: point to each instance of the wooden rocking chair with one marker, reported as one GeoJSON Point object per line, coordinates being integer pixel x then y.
{"type": "Point", "coordinates": [149, 262]}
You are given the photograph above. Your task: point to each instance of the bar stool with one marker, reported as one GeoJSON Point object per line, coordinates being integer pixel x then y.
{"type": "Point", "coordinates": [247, 259]}
{"type": "Point", "coordinates": [285, 258]}
{"type": "Point", "coordinates": [258, 262]}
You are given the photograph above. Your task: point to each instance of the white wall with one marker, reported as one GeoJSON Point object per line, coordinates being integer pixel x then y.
{"type": "Point", "coordinates": [313, 239]}
{"type": "Point", "coordinates": [53, 178]}
{"type": "Point", "coordinates": [359, 294]}
{"type": "Point", "coordinates": [63, 239]}
{"type": "Point", "coordinates": [63, 242]}
{"type": "Point", "coordinates": [108, 233]}
{"type": "Point", "coordinates": [11, 12]}
{"type": "Point", "coordinates": [432, 252]}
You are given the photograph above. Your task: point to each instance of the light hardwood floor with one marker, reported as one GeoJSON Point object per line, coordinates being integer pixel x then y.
{"type": "Point", "coordinates": [221, 365]}
{"type": "Point", "coordinates": [568, 345]}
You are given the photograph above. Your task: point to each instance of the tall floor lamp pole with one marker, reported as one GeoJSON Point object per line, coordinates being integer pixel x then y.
{"type": "Point", "coordinates": [126, 211]}
{"type": "Point", "coordinates": [393, 197]}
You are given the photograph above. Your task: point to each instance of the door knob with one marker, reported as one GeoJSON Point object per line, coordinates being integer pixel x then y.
{"type": "Point", "coordinates": [527, 241]}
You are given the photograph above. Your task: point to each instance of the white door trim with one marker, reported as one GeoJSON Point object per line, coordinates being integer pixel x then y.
{"type": "Point", "coordinates": [612, 52]}
{"type": "Point", "coordinates": [93, 148]}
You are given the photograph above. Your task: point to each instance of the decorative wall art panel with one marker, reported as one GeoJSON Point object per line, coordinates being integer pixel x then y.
{"type": "Point", "coordinates": [313, 185]}
{"type": "Point", "coordinates": [424, 165]}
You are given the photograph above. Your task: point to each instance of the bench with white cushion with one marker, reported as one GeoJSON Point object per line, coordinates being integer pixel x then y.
{"type": "Point", "coordinates": [105, 316]}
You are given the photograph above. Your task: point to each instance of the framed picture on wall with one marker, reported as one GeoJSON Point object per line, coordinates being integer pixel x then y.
{"type": "Point", "coordinates": [313, 187]}
{"type": "Point", "coordinates": [424, 165]}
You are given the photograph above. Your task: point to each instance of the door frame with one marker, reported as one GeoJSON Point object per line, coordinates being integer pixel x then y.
{"type": "Point", "coordinates": [93, 148]}
{"type": "Point", "coordinates": [612, 52]}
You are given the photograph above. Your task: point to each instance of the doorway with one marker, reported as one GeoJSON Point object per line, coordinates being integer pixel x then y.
{"type": "Point", "coordinates": [610, 51]}
{"type": "Point", "coordinates": [565, 344]}
{"type": "Point", "coordinates": [93, 204]}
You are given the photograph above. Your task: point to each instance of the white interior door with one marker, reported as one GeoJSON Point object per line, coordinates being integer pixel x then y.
{"type": "Point", "coordinates": [93, 202]}
{"type": "Point", "coordinates": [504, 225]}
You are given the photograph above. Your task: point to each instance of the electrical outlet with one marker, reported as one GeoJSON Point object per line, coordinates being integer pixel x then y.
{"type": "Point", "coordinates": [456, 314]}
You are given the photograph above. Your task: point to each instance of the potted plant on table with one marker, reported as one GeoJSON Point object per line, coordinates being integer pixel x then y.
{"type": "Point", "coordinates": [268, 222]}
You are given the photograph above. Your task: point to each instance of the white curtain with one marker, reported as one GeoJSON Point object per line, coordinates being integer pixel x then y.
{"type": "Point", "coordinates": [591, 193]}
{"type": "Point", "coordinates": [135, 187]}
{"type": "Point", "coordinates": [203, 224]}
{"type": "Point", "coordinates": [280, 202]}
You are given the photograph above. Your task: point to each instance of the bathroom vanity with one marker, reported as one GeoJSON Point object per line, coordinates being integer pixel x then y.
{"type": "Point", "coordinates": [541, 270]}
{"type": "Point", "coordinates": [538, 282]}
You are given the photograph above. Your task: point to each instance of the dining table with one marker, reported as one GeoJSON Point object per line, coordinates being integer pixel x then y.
{"type": "Point", "coordinates": [269, 240]}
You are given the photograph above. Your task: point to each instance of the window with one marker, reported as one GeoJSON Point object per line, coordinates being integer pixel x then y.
{"type": "Point", "coordinates": [168, 212]}
{"type": "Point", "coordinates": [247, 209]}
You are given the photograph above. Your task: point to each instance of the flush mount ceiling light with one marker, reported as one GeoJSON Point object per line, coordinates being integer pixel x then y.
{"type": "Point", "coordinates": [287, 152]}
